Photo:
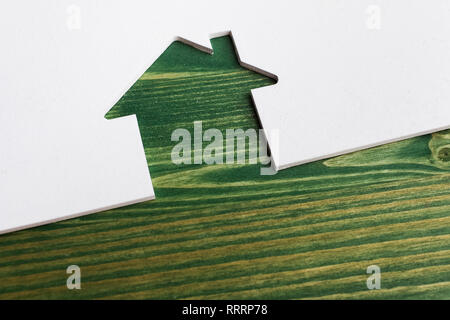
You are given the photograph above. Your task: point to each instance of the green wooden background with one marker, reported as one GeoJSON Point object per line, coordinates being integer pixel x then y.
{"type": "Point", "coordinates": [225, 231]}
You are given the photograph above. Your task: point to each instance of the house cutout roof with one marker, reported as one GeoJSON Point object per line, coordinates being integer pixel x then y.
{"type": "Point", "coordinates": [185, 61]}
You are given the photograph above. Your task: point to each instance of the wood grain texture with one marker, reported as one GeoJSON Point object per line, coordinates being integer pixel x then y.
{"type": "Point", "coordinates": [225, 231]}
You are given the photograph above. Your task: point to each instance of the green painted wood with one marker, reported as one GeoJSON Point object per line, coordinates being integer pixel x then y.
{"type": "Point", "coordinates": [225, 231]}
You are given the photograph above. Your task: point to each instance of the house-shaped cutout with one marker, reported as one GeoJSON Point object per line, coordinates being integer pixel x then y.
{"type": "Point", "coordinates": [188, 72]}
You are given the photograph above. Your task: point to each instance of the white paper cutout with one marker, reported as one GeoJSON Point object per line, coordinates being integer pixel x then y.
{"type": "Point", "coordinates": [352, 74]}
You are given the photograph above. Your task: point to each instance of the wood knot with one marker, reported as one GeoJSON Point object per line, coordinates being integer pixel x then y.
{"type": "Point", "coordinates": [444, 154]}
{"type": "Point", "coordinates": [440, 148]}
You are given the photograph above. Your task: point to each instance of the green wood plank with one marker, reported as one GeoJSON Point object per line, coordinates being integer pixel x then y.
{"type": "Point", "coordinates": [225, 231]}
